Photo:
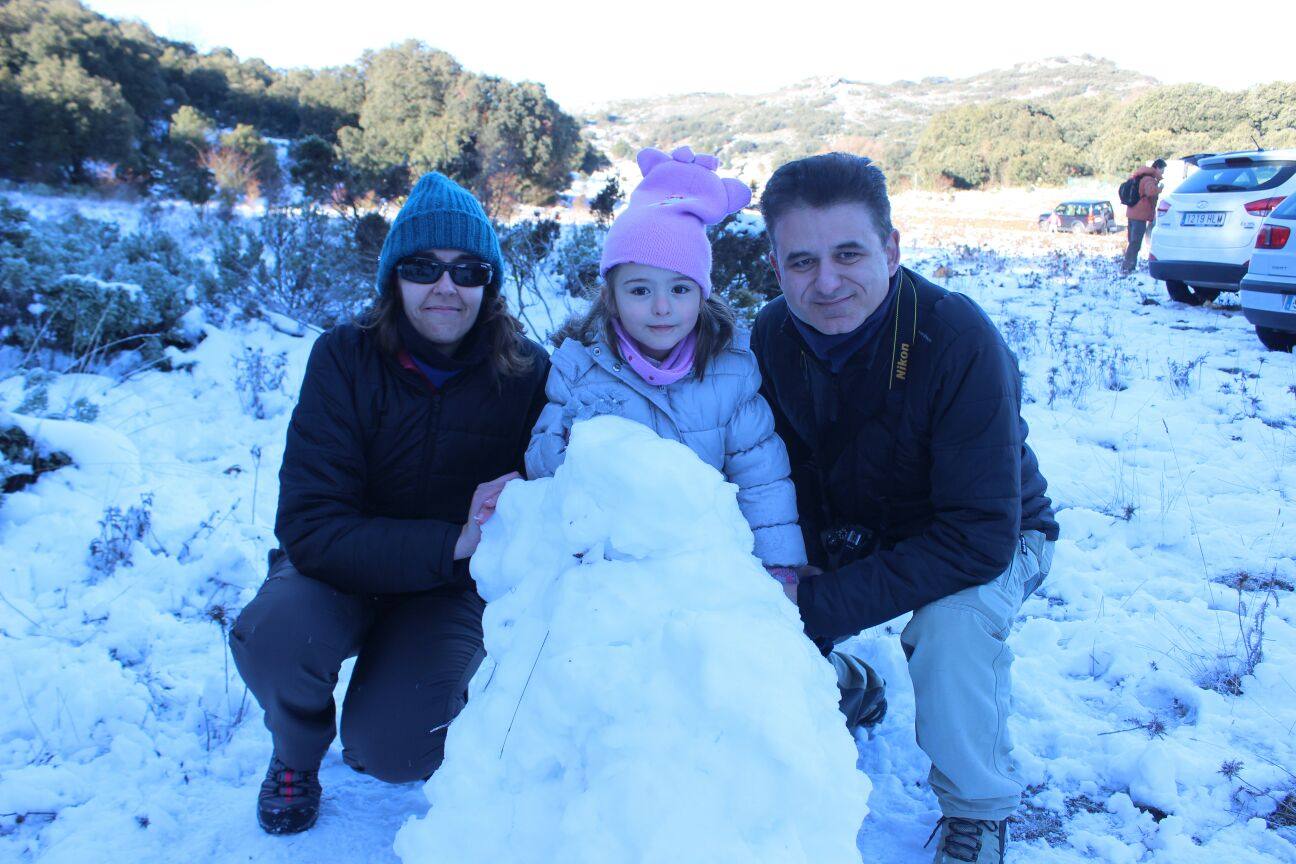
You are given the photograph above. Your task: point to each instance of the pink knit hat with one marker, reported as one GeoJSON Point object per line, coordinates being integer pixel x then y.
{"type": "Point", "coordinates": [664, 224]}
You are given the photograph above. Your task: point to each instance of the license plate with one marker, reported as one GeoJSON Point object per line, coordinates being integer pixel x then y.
{"type": "Point", "coordinates": [1207, 220]}
{"type": "Point", "coordinates": [1289, 303]}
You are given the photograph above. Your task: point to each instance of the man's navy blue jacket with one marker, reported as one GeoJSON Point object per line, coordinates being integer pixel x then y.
{"type": "Point", "coordinates": [380, 468]}
{"type": "Point", "coordinates": [918, 438]}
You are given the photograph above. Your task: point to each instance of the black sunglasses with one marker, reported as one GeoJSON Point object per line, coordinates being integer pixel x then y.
{"type": "Point", "coordinates": [465, 274]}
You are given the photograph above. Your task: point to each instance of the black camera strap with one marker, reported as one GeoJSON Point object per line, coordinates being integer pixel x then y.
{"type": "Point", "coordinates": [904, 345]}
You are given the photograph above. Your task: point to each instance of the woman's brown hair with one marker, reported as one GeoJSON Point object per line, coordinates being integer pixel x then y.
{"type": "Point", "coordinates": [715, 326]}
{"type": "Point", "coordinates": [506, 335]}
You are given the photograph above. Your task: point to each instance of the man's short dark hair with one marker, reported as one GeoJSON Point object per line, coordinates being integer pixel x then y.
{"type": "Point", "coordinates": [1158, 164]}
{"type": "Point", "coordinates": [826, 180]}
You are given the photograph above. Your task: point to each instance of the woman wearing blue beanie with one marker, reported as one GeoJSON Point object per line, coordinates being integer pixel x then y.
{"type": "Point", "coordinates": [409, 424]}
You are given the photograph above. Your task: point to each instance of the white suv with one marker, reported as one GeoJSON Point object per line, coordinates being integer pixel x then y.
{"type": "Point", "coordinates": [1269, 287]}
{"type": "Point", "coordinates": [1206, 228]}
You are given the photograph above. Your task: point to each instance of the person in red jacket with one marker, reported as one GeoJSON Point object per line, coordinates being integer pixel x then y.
{"type": "Point", "coordinates": [1141, 216]}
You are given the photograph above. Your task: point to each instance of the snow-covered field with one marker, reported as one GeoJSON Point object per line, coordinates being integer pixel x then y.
{"type": "Point", "coordinates": [1155, 708]}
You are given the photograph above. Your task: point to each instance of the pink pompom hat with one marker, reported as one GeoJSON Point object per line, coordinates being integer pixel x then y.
{"type": "Point", "coordinates": [664, 225]}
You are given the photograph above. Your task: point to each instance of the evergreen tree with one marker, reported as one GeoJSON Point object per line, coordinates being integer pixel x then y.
{"type": "Point", "coordinates": [593, 159]}
{"type": "Point", "coordinates": [413, 114]}
{"type": "Point", "coordinates": [325, 100]}
{"type": "Point", "coordinates": [1271, 112]}
{"type": "Point", "coordinates": [526, 141]}
{"type": "Point", "coordinates": [605, 202]}
{"type": "Point", "coordinates": [314, 167]}
{"type": "Point", "coordinates": [190, 136]}
{"type": "Point", "coordinates": [1004, 142]}
{"type": "Point", "coordinates": [71, 117]}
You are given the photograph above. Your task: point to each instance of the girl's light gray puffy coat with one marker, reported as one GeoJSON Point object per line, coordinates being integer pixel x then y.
{"type": "Point", "coordinates": [722, 418]}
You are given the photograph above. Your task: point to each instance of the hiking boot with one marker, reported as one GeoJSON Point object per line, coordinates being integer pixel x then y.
{"type": "Point", "coordinates": [289, 799]}
{"type": "Point", "coordinates": [976, 840]}
{"type": "Point", "coordinates": [863, 691]}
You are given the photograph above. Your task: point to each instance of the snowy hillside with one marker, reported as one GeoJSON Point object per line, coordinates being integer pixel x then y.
{"type": "Point", "coordinates": [1155, 708]}
{"type": "Point", "coordinates": [750, 130]}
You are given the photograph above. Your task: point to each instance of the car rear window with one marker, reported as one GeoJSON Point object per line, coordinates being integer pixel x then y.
{"type": "Point", "coordinates": [1285, 210]}
{"type": "Point", "coordinates": [1253, 177]}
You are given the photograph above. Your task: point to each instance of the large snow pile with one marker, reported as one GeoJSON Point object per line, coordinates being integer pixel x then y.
{"type": "Point", "coordinates": [649, 695]}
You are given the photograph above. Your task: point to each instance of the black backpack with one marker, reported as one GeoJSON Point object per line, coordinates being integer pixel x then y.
{"type": "Point", "coordinates": [1128, 193]}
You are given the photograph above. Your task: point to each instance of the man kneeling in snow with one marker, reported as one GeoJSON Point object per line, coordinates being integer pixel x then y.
{"type": "Point", "coordinates": [900, 406]}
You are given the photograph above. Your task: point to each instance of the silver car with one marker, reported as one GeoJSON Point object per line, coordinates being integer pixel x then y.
{"type": "Point", "coordinates": [1269, 287]}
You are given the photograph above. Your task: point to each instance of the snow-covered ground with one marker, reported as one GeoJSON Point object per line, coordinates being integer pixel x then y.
{"type": "Point", "coordinates": [1145, 729]}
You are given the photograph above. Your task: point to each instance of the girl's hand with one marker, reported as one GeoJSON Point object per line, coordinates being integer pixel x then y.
{"type": "Point", "coordinates": [788, 578]}
{"type": "Point", "coordinates": [484, 501]}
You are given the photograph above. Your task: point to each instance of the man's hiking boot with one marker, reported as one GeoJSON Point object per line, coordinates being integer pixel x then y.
{"type": "Point", "coordinates": [977, 840]}
{"type": "Point", "coordinates": [863, 691]}
{"type": "Point", "coordinates": [289, 799]}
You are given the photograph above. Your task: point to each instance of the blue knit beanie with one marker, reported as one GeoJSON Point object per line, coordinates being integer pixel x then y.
{"type": "Point", "coordinates": [440, 214]}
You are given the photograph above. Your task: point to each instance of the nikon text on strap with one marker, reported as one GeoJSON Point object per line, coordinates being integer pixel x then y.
{"type": "Point", "coordinates": [903, 340]}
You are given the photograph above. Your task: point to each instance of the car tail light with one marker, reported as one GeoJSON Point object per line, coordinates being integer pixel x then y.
{"type": "Point", "coordinates": [1272, 237]}
{"type": "Point", "coordinates": [1163, 208]}
{"type": "Point", "coordinates": [1264, 206]}
{"type": "Point", "coordinates": [1151, 257]}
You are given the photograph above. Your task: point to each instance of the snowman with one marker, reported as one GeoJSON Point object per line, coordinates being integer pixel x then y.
{"type": "Point", "coordinates": [648, 694]}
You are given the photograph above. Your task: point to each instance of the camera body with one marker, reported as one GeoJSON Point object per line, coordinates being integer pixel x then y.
{"type": "Point", "coordinates": [847, 543]}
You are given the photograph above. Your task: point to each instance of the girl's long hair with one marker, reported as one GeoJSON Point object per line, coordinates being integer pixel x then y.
{"type": "Point", "coordinates": [505, 333]}
{"type": "Point", "coordinates": [715, 327]}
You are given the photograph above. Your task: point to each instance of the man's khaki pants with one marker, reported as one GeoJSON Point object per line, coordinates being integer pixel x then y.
{"type": "Point", "coordinates": [961, 668]}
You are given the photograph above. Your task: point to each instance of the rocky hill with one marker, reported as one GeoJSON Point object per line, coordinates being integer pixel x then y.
{"type": "Point", "coordinates": [752, 133]}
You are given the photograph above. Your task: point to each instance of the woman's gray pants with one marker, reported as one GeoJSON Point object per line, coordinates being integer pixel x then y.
{"type": "Point", "coordinates": [415, 655]}
{"type": "Point", "coordinates": [961, 667]}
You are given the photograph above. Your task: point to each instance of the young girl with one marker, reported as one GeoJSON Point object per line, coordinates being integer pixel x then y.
{"type": "Point", "coordinates": [657, 348]}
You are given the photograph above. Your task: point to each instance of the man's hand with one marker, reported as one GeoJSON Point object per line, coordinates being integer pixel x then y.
{"type": "Point", "coordinates": [480, 510]}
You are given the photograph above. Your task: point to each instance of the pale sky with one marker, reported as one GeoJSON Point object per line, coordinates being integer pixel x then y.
{"type": "Point", "coordinates": [587, 52]}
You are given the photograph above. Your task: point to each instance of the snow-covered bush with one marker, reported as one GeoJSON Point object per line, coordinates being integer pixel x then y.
{"type": "Point", "coordinates": [35, 399]}
{"type": "Point", "coordinates": [79, 288]}
{"type": "Point", "coordinates": [577, 258]}
{"type": "Point", "coordinates": [1021, 334]}
{"type": "Point", "coordinates": [1181, 375]}
{"type": "Point", "coordinates": [740, 272]}
{"type": "Point", "coordinates": [527, 246]}
{"type": "Point", "coordinates": [257, 374]}
{"type": "Point", "coordinates": [299, 263]}
{"type": "Point", "coordinates": [119, 531]}
{"type": "Point", "coordinates": [22, 460]}
{"type": "Point", "coordinates": [1117, 369]}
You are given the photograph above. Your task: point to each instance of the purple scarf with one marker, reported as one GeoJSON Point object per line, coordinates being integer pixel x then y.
{"type": "Point", "coordinates": [678, 363]}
